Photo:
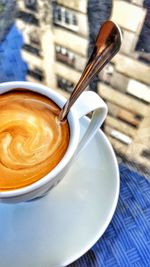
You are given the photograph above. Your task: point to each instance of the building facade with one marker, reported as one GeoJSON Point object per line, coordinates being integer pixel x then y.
{"type": "Point", "coordinates": [55, 49]}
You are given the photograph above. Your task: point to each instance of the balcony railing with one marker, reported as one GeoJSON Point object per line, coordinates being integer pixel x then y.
{"type": "Point", "coordinates": [28, 18]}
{"type": "Point", "coordinates": [33, 50]}
{"type": "Point", "coordinates": [36, 74]}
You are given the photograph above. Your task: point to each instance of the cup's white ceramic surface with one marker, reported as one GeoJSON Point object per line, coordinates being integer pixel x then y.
{"type": "Point", "coordinates": [87, 102]}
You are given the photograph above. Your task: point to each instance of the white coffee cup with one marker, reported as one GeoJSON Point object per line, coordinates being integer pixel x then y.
{"type": "Point", "coordinates": [87, 102]}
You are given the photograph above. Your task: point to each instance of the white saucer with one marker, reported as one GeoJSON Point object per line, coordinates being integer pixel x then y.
{"type": "Point", "coordinates": [59, 228]}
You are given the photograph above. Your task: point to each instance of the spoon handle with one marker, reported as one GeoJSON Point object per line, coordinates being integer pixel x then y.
{"type": "Point", "coordinates": [107, 44]}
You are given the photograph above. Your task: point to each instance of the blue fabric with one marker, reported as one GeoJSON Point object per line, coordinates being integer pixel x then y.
{"type": "Point", "coordinates": [126, 241]}
{"type": "Point", "coordinates": [12, 66]}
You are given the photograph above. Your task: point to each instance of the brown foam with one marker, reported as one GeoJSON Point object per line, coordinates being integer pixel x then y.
{"type": "Point", "coordinates": [32, 141]}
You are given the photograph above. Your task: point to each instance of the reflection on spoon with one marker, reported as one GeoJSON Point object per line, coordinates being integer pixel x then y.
{"type": "Point", "coordinates": [107, 44]}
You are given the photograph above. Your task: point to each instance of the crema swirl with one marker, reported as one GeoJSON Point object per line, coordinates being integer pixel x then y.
{"type": "Point", "coordinates": [32, 140]}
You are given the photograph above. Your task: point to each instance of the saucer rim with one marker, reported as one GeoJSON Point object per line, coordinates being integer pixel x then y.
{"type": "Point", "coordinates": [114, 205]}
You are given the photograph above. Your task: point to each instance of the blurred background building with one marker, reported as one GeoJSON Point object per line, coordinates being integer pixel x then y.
{"type": "Point", "coordinates": [55, 47]}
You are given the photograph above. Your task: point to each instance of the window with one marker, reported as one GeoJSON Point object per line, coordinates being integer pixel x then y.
{"type": "Point", "coordinates": [146, 153]}
{"type": "Point", "coordinates": [64, 17]}
{"type": "Point", "coordinates": [31, 4]}
{"type": "Point", "coordinates": [74, 20]}
{"type": "Point", "coordinates": [36, 73]}
{"type": "Point", "coordinates": [65, 84]}
{"type": "Point", "coordinates": [67, 17]}
{"type": "Point", "coordinates": [64, 55]}
{"type": "Point", "coordinates": [34, 38]}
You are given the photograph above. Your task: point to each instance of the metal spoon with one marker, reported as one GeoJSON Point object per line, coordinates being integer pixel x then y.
{"type": "Point", "coordinates": [107, 44]}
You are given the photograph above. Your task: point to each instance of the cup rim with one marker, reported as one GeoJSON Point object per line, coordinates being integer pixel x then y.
{"type": "Point", "coordinates": [74, 137]}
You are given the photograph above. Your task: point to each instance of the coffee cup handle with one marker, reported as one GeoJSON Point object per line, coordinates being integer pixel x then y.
{"type": "Point", "coordinates": [87, 102]}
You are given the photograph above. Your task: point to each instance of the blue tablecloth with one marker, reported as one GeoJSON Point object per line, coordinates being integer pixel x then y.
{"type": "Point", "coordinates": [126, 241]}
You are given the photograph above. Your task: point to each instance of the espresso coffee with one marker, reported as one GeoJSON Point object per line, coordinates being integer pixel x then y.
{"type": "Point", "coordinates": [32, 140]}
